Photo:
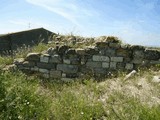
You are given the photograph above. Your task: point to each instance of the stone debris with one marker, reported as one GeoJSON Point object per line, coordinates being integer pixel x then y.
{"type": "Point", "coordinates": [130, 75]}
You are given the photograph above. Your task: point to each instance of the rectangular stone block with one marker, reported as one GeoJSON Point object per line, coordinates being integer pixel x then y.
{"type": "Point", "coordinates": [55, 59]}
{"type": "Point", "coordinates": [44, 58]}
{"type": "Point", "coordinates": [55, 74]}
{"type": "Point", "coordinates": [155, 62]}
{"type": "Point", "coordinates": [67, 68]}
{"type": "Point", "coordinates": [45, 75]}
{"type": "Point", "coordinates": [121, 66]}
{"type": "Point", "coordinates": [105, 64]}
{"type": "Point", "coordinates": [43, 70]}
{"type": "Point", "coordinates": [113, 65]}
{"type": "Point", "coordinates": [80, 51]}
{"type": "Point", "coordinates": [110, 52]}
{"type": "Point", "coordinates": [117, 59]}
{"type": "Point", "coordinates": [93, 64]}
{"type": "Point", "coordinates": [129, 66]}
{"type": "Point", "coordinates": [99, 58]}
{"type": "Point", "coordinates": [46, 65]}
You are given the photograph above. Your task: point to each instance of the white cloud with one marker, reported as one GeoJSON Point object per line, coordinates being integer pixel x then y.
{"type": "Point", "coordinates": [70, 9]}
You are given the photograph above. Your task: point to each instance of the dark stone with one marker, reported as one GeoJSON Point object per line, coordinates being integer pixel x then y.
{"type": "Point", "coordinates": [67, 68]}
{"type": "Point", "coordinates": [152, 54]}
{"type": "Point", "coordinates": [55, 59]}
{"type": "Point", "coordinates": [33, 57]}
{"type": "Point", "coordinates": [63, 49]}
{"type": "Point", "coordinates": [28, 64]}
{"type": "Point", "coordinates": [46, 65]}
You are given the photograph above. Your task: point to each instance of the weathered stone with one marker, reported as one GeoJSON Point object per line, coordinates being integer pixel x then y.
{"type": "Point", "coordinates": [120, 66]}
{"type": "Point", "coordinates": [63, 49]}
{"type": "Point", "coordinates": [67, 68]}
{"type": "Point", "coordinates": [114, 45]}
{"type": "Point", "coordinates": [137, 61]}
{"type": "Point", "coordinates": [138, 54]}
{"type": "Point", "coordinates": [155, 62]}
{"type": "Point", "coordinates": [63, 75]}
{"type": "Point", "coordinates": [123, 52]}
{"type": "Point", "coordinates": [93, 64]}
{"type": "Point", "coordinates": [55, 74]}
{"type": "Point", "coordinates": [33, 57]}
{"type": "Point", "coordinates": [43, 70]}
{"type": "Point", "coordinates": [55, 59]}
{"type": "Point", "coordinates": [44, 58]}
{"type": "Point", "coordinates": [46, 65]}
{"type": "Point", "coordinates": [45, 75]}
{"type": "Point", "coordinates": [99, 58]}
{"type": "Point", "coordinates": [129, 66]}
{"type": "Point", "coordinates": [91, 51]}
{"type": "Point", "coordinates": [113, 65]}
{"type": "Point", "coordinates": [28, 64]}
{"type": "Point", "coordinates": [75, 61]}
{"type": "Point", "coordinates": [71, 75]}
{"type": "Point", "coordinates": [18, 61]}
{"type": "Point", "coordinates": [35, 68]}
{"type": "Point", "coordinates": [66, 61]}
{"type": "Point", "coordinates": [117, 59]}
{"type": "Point", "coordinates": [110, 52]}
{"type": "Point", "coordinates": [70, 51]}
{"type": "Point", "coordinates": [101, 44]}
{"type": "Point", "coordinates": [152, 54]}
{"type": "Point", "coordinates": [51, 51]}
{"type": "Point", "coordinates": [80, 51]}
{"type": "Point", "coordinates": [105, 64]}
{"type": "Point", "coordinates": [100, 71]}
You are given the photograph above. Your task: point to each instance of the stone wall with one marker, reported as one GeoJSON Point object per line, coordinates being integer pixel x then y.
{"type": "Point", "coordinates": [100, 60]}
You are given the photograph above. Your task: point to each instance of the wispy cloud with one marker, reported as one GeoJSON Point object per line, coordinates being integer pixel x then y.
{"type": "Point", "coordinates": [70, 9]}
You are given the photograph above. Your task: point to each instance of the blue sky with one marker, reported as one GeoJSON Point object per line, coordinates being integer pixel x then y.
{"type": "Point", "coordinates": [133, 21]}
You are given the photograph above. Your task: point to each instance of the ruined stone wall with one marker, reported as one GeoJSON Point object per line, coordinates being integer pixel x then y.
{"type": "Point", "coordinates": [102, 59]}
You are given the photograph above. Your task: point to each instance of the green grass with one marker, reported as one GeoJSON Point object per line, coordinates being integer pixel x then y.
{"type": "Point", "coordinates": [29, 97]}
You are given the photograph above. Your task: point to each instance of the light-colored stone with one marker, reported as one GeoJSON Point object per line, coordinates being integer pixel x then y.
{"type": "Point", "coordinates": [45, 75]}
{"type": "Point", "coordinates": [66, 61]}
{"type": "Point", "coordinates": [155, 62]}
{"type": "Point", "coordinates": [156, 79]}
{"type": "Point", "coordinates": [130, 75]}
{"type": "Point", "coordinates": [80, 51]}
{"type": "Point", "coordinates": [105, 64]}
{"type": "Point", "coordinates": [129, 66]}
{"type": "Point", "coordinates": [44, 58]}
{"type": "Point", "coordinates": [33, 57]}
{"type": "Point", "coordinates": [113, 65]}
{"type": "Point", "coordinates": [64, 75]}
{"type": "Point", "coordinates": [43, 70]}
{"type": "Point", "coordinates": [117, 59]}
{"type": "Point", "coordinates": [18, 61]}
{"type": "Point", "coordinates": [99, 58]}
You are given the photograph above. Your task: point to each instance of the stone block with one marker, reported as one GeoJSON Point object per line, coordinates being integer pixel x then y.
{"type": "Point", "coordinates": [105, 64]}
{"type": "Point", "coordinates": [66, 61]}
{"type": "Point", "coordinates": [44, 58]}
{"type": "Point", "coordinates": [100, 71]}
{"type": "Point", "coordinates": [33, 57]}
{"type": "Point", "coordinates": [28, 64]}
{"type": "Point", "coordinates": [35, 68]}
{"type": "Point", "coordinates": [117, 59]}
{"type": "Point", "coordinates": [99, 58]}
{"type": "Point", "coordinates": [71, 75]}
{"type": "Point", "coordinates": [67, 68]}
{"type": "Point", "coordinates": [80, 51]}
{"type": "Point", "coordinates": [152, 54]}
{"type": "Point", "coordinates": [138, 54]}
{"type": "Point", "coordinates": [43, 70]}
{"type": "Point", "coordinates": [155, 62]}
{"type": "Point", "coordinates": [137, 61]}
{"type": "Point", "coordinates": [64, 75]}
{"type": "Point", "coordinates": [121, 65]}
{"type": "Point", "coordinates": [46, 65]}
{"type": "Point", "coordinates": [93, 64]}
{"type": "Point", "coordinates": [114, 45]}
{"type": "Point", "coordinates": [55, 74]}
{"type": "Point", "coordinates": [129, 66]}
{"type": "Point", "coordinates": [45, 75]}
{"type": "Point", "coordinates": [55, 59]}
{"type": "Point", "coordinates": [113, 65]}
{"type": "Point", "coordinates": [110, 52]}
{"type": "Point", "coordinates": [123, 52]}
